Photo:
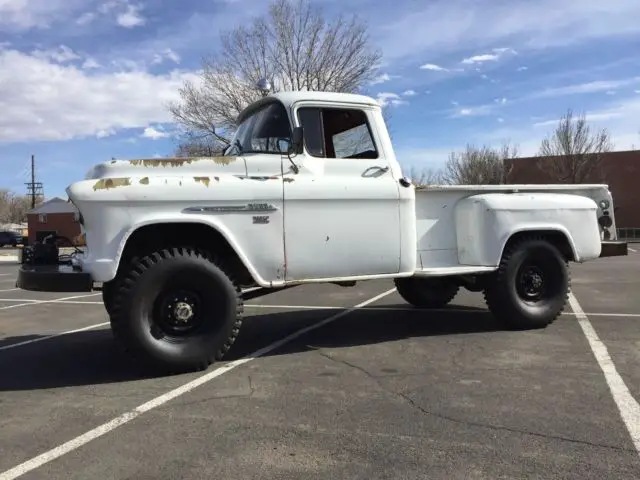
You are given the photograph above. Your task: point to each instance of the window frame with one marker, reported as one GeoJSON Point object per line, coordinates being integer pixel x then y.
{"type": "Point", "coordinates": [321, 108]}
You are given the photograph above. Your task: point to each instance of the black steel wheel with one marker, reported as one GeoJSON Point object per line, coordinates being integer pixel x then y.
{"type": "Point", "coordinates": [531, 286]}
{"type": "Point", "coordinates": [177, 309]}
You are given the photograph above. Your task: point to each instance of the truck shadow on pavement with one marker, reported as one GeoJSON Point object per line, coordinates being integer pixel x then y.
{"type": "Point", "coordinates": [94, 358]}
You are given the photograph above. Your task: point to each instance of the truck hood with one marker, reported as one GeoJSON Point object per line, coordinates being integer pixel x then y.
{"type": "Point", "coordinates": [162, 167]}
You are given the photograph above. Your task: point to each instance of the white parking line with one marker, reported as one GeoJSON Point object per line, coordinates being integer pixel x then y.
{"type": "Point", "coordinates": [126, 417]}
{"type": "Point", "coordinates": [632, 250]}
{"type": "Point", "coordinates": [55, 335]}
{"type": "Point", "coordinates": [17, 300]}
{"type": "Point", "coordinates": [10, 290]}
{"type": "Point", "coordinates": [627, 405]}
{"type": "Point", "coordinates": [39, 302]}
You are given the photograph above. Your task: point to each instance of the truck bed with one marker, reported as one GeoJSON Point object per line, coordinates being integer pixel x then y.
{"type": "Point", "coordinates": [436, 235]}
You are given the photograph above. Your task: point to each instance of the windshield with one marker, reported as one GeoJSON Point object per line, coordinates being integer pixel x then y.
{"type": "Point", "coordinates": [265, 131]}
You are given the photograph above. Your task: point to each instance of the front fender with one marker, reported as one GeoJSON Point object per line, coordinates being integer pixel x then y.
{"type": "Point", "coordinates": [209, 221]}
{"type": "Point", "coordinates": [486, 222]}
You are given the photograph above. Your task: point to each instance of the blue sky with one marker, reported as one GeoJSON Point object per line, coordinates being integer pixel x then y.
{"type": "Point", "coordinates": [82, 81]}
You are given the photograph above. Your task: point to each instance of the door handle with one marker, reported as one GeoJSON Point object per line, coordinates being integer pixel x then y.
{"type": "Point", "coordinates": [378, 170]}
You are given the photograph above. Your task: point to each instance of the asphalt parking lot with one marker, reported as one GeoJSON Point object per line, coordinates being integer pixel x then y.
{"type": "Point", "coordinates": [383, 391]}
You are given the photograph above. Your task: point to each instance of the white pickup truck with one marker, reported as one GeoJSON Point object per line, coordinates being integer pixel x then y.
{"type": "Point", "coordinates": [310, 191]}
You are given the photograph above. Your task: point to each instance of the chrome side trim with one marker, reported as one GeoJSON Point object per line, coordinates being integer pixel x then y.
{"type": "Point", "coordinates": [250, 207]}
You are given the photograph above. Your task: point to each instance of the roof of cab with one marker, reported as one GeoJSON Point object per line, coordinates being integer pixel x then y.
{"type": "Point", "coordinates": [288, 98]}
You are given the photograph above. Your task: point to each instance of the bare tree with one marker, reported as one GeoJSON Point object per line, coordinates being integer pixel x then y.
{"type": "Point", "coordinates": [293, 46]}
{"type": "Point", "coordinates": [13, 207]}
{"type": "Point", "coordinates": [574, 153]}
{"type": "Point", "coordinates": [197, 146]}
{"type": "Point", "coordinates": [479, 165]}
{"type": "Point", "coordinates": [427, 176]}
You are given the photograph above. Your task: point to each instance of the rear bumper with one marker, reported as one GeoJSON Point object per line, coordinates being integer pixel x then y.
{"type": "Point", "coordinates": [53, 278]}
{"type": "Point", "coordinates": [614, 249]}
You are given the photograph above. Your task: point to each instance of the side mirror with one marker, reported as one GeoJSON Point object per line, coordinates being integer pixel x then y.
{"type": "Point", "coordinates": [297, 140]}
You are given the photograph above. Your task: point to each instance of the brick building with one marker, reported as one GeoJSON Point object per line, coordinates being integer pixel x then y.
{"type": "Point", "coordinates": [621, 172]}
{"type": "Point", "coordinates": [54, 216]}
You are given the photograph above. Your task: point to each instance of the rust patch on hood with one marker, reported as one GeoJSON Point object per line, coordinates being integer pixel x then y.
{"type": "Point", "coordinates": [144, 181]}
{"type": "Point", "coordinates": [288, 180]}
{"type": "Point", "coordinates": [205, 180]}
{"type": "Point", "coordinates": [180, 161]}
{"type": "Point", "coordinates": [107, 183]}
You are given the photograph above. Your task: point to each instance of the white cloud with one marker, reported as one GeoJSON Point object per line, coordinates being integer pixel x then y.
{"type": "Point", "coordinates": [383, 78]}
{"type": "Point", "coordinates": [480, 110]}
{"type": "Point", "coordinates": [497, 54]}
{"type": "Point", "coordinates": [43, 100]}
{"type": "Point", "coordinates": [20, 15]}
{"type": "Point", "coordinates": [131, 17]}
{"type": "Point", "coordinates": [433, 67]}
{"type": "Point", "coordinates": [409, 93]}
{"type": "Point", "coordinates": [481, 58]}
{"type": "Point", "coordinates": [390, 99]}
{"type": "Point", "coordinates": [154, 134]}
{"type": "Point", "coordinates": [167, 54]}
{"type": "Point", "coordinates": [589, 87]}
{"type": "Point", "coordinates": [500, 120]}
{"type": "Point", "coordinates": [522, 69]}
{"type": "Point", "coordinates": [86, 18]}
{"type": "Point", "coordinates": [457, 26]}
{"type": "Point", "coordinates": [62, 54]}
{"type": "Point", "coordinates": [90, 64]}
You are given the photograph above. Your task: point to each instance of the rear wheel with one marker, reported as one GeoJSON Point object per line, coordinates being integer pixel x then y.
{"type": "Point", "coordinates": [426, 292]}
{"type": "Point", "coordinates": [177, 309]}
{"type": "Point", "coordinates": [531, 286]}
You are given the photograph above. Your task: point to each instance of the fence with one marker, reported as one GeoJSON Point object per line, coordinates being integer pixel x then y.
{"type": "Point", "coordinates": [629, 234]}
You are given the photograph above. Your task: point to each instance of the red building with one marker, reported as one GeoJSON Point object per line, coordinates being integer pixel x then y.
{"type": "Point", "coordinates": [54, 216]}
{"type": "Point", "coordinates": [621, 172]}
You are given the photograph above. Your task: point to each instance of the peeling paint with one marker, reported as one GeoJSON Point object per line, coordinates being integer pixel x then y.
{"type": "Point", "coordinates": [107, 183]}
{"type": "Point", "coordinates": [144, 181]}
{"type": "Point", "coordinates": [289, 180]}
{"type": "Point", "coordinates": [179, 161]}
{"type": "Point", "coordinates": [204, 180]}
{"type": "Point", "coordinates": [217, 179]}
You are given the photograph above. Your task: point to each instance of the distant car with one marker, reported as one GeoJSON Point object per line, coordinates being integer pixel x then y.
{"type": "Point", "coordinates": [10, 238]}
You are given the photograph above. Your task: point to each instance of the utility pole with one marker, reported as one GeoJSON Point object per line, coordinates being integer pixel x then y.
{"type": "Point", "coordinates": [34, 189]}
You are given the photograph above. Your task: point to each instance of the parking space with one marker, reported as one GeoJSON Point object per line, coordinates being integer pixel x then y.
{"type": "Point", "coordinates": [384, 391]}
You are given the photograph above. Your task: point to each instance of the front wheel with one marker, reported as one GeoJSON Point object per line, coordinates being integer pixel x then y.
{"type": "Point", "coordinates": [531, 286]}
{"type": "Point", "coordinates": [177, 309]}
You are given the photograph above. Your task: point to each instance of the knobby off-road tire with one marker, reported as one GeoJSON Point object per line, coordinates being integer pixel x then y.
{"type": "Point", "coordinates": [531, 287]}
{"type": "Point", "coordinates": [108, 290]}
{"type": "Point", "coordinates": [177, 309]}
{"type": "Point", "coordinates": [426, 292]}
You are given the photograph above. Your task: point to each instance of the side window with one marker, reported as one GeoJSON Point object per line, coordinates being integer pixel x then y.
{"type": "Point", "coordinates": [337, 133]}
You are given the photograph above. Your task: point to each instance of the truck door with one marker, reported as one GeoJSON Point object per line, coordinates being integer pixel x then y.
{"type": "Point", "coordinates": [342, 207]}
{"type": "Point", "coordinates": [261, 137]}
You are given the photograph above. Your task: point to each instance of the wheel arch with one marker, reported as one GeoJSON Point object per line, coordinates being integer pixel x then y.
{"type": "Point", "coordinates": [557, 235]}
{"type": "Point", "coordinates": [167, 233]}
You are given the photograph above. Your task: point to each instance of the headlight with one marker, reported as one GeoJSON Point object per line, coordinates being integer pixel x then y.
{"type": "Point", "coordinates": [604, 204]}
